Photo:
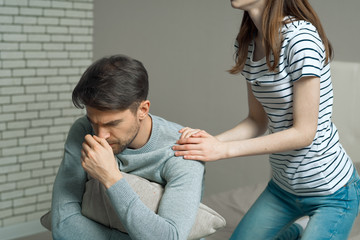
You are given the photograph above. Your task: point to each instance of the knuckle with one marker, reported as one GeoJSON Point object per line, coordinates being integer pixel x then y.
{"type": "Point", "coordinates": [91, 154]}
{"type": "Point", "coordinates": [96, 148]}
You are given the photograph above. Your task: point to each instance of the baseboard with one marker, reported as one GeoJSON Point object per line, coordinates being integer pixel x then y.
{"type": "Point", "coordinates": [21, 230]}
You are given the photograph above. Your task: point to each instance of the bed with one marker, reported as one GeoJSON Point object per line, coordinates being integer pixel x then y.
{"type": "Point", "coordinates": [233, 204]}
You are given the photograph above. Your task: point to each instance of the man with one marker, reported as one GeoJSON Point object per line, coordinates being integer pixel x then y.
{"type": "Point", "coordinates": [119, 135]}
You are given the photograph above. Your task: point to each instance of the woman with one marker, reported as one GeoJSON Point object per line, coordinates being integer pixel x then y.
{"type": "Point", "coordinates": [284, 54]}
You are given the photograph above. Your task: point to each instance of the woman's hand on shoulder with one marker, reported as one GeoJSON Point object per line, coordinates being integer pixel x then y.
{"type": "Point", "coordinates": [196, 144]}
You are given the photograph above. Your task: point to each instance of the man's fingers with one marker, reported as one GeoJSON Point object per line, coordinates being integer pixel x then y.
{"type": "Point", "coordinates": [89, 140]}
{"type": "Point", "coordinates": [94, 142]}
{"type": "Point", "coordinates": [86, 148]}
{"type": "Point", "coordinates": [102, 141]}
{"type": "Point", "coordinates": [83, 155]}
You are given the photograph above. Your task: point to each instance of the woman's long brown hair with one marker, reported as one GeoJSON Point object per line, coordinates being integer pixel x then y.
{"type": "Point", "coordinates": [272, 21]}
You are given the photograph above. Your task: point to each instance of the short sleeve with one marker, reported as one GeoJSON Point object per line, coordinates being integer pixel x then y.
{"type": "Point", "coordinates": [306, 53]}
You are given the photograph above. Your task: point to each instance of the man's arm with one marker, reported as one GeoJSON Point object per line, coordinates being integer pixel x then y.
{"type": "Point", "coordinates": [178, 207]}
{"type": "Point", "coordinates": [67, 221]}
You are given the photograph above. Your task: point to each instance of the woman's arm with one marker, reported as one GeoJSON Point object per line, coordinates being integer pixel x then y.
{"type": "Point", "coordinates": [306, 98]}
{"type": "Point", "coordinates": [253, 126]}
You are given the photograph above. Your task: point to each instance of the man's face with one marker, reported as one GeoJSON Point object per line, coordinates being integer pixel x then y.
{"type": "Point", "coordinates": [119, 128]}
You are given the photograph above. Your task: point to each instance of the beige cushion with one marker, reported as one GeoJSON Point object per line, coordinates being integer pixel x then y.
{"type": "Point", "coordinates": [96, 206]}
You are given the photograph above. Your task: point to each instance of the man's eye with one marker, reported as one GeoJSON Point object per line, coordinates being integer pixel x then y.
{"type": "Point", "coordinates": [111, 125]}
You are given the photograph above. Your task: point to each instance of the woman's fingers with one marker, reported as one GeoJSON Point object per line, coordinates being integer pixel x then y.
{"type": "Point", "coordinates": [190, 140]}
{"type": "Point", "coordinates": [189, 153]}
{"type": "Point", "coordinates": [196, 144]}
{"type": "Point", "coordinates": [188, 132]}
{"type": "Point", "coordinates": [201, 133]}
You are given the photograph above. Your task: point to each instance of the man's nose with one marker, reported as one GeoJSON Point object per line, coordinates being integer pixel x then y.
{"type": "Point", "coordinates": [102, 133]}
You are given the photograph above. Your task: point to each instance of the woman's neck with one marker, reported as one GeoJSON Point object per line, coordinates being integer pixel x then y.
{"type": "Point", "coordinates": [256, 13]}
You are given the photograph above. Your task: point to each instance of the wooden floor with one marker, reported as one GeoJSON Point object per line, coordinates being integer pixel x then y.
{"type": "Point", "coordinates": [40, 236]}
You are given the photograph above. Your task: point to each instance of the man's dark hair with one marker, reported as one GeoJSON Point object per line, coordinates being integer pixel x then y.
{"type": "Point", "coordinates": [112, 83]}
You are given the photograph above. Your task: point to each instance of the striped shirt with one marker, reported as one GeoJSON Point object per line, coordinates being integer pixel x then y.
{"type": "Point", "coordinates": [322, 167]}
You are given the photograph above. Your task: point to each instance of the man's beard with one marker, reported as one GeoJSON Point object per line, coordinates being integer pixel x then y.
{"type": "Point", "coordinates": [122, 145]}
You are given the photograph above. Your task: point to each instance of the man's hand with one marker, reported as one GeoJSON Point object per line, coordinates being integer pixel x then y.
{"type": "Point", "coordinates": [97, 158]}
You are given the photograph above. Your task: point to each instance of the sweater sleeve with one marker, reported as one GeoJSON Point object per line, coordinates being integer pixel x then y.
{"type": "Point", "coordinates": [178, 206]}
{"type": "Point", "coordinates": [67, 221]}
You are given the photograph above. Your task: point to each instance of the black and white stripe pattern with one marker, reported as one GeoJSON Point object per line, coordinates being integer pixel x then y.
{"type": "Point", "coordinates": [323, 167]}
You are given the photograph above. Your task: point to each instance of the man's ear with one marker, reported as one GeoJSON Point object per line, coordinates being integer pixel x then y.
{"type": "Point", "coordinates": [143, 109]}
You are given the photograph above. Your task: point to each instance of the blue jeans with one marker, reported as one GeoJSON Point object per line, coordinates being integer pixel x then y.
{"type": "Point", "coordinates": [273, 214]}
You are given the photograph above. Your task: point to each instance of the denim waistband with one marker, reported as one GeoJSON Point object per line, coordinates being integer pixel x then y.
{"type": "Point", "coordinates": [354, 177]}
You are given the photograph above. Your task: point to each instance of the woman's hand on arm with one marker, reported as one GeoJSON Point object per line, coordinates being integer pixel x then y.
{"type": "Point", "coordinates": [243, 140]}
{"type": "Point", "coordinates": [187, 132]}
{"type": "Point", "coordinates": [197, 144]}
{"type": "Point", "coordinates": [200, 146]}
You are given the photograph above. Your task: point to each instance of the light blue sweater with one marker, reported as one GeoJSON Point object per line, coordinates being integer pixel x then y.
{"type": "Point", "coordinates": [155, 161]}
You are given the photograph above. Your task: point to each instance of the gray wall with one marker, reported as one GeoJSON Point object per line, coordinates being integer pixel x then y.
{"type": "Point", "coordinates": [187, 46]}
{"type": "Point", "coordinates": [341, 22]}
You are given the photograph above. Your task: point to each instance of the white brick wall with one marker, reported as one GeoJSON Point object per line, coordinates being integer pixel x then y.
{"type": "Point", "coordinates": [45, 45]}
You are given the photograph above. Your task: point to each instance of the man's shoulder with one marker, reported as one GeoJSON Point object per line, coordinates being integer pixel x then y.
{"type": "Point", "coordinates": [80, 128]}
{"type": "Point", "coordinates": [168, 133]}
{"type": "Point", "coordinates": [169, 125]}
{"type": "Point", "coordinates": [81, 124]}
{"type": "Point", "coordinates": [165, 129]}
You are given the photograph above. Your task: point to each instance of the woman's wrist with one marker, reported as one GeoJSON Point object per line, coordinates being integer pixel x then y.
{"type": "Point", "coordinates": [226, 150]}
